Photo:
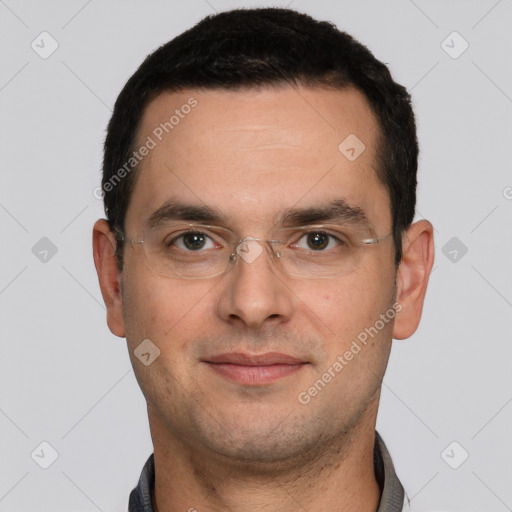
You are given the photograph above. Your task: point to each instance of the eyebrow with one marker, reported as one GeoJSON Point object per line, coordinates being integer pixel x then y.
{"type": "Point", "coordinates": [175, 210]}
{"type": "Point", "coordinates": [339, 211]}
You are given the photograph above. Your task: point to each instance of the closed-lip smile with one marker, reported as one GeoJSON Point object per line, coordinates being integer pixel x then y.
{"type": "Point", "coordinates": [254, 369]}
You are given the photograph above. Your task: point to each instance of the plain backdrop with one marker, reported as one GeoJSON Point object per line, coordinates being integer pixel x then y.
{"type": "Point", "coordinates": [67, 381]}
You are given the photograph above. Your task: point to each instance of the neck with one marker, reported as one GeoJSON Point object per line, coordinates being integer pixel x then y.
{"type": "Point", "coordinates": [339, 476]}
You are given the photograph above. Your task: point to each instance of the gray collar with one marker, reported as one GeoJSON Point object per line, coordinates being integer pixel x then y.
{"type": "Point", "coordinates": [392, 497]}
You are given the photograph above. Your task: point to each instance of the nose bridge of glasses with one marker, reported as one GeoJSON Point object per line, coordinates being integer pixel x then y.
{"type": "Point", "coordinates": [250, 248]}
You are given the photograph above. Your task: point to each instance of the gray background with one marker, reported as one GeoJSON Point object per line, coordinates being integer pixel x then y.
{"type": "Point", "coordinates": [66, 380]}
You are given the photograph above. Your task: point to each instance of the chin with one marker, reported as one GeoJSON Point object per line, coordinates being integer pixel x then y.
{"type": "Point", "coordinates": [263, 448]}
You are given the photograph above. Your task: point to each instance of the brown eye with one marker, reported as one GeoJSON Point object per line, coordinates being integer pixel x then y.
{"type": "Point", "coordinates": [194, 241]}
{"type": "Point", "coordinates": [317, 241]}
{"type": "Point", "coordinates": [191, 241]}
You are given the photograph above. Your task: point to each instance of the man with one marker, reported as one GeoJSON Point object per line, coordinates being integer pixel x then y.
{"type": "Point", "coordinates": [259, 256]}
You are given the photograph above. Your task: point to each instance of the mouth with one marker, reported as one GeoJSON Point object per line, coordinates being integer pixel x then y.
{"type": "Point", "coordinates": [254, 370]}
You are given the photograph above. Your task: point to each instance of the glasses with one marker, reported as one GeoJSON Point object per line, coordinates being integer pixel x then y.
{"type": "Point", "coordinates": [199, 251]}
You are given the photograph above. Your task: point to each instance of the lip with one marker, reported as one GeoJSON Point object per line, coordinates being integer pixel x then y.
{"type": "Point", "coordinates": [255, 369]}
{"type": "Point", "coordinates": [239, 358]}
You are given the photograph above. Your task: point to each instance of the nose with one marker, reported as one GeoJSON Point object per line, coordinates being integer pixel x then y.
{"type": "Point", "coordinates": [254, 292]}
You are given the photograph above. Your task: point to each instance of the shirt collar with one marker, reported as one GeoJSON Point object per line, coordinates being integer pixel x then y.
{"type": "Point", "coordinates": [393, 498]}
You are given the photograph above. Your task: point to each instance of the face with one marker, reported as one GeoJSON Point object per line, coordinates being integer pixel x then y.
{"type": "Point", "coordinates": [251, 156]}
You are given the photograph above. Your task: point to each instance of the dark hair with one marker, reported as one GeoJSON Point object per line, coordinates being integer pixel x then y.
{"type": "Point", "coordinates": [265, 47]}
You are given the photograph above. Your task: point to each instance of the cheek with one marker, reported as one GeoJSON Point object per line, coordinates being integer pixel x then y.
{"type": "Point", "coordinates": [362, 341]}
{"type": "Point", "coordinates": [155, 310]}
{"type": "Point", "coordinates": [351, 304]}
{"type": "Point", "coordinates": [146, 309]}
{"type": "Point", "coordinates": [349, 298]}
{"type": "Point", "coordinates": [166, 311]}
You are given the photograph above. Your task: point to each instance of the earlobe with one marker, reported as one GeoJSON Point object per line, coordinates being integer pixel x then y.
{"type": "Point", "coordinates": [109, 277]}
{"type": "Point", "coordinates": [412, 277]}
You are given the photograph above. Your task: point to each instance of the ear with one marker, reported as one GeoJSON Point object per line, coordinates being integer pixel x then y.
{"type": "Point", "coordinates": [412, 277]}
{"type": "Point", "coordinates": [105, 261]}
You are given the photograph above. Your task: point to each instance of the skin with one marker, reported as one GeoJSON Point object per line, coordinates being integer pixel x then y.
{"type": "Point", "coordinates": [220, 445]}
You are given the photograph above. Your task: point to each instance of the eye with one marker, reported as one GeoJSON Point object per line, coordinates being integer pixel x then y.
{"type": "Point", "coordinates": [317, 241]}
{"type": "Point", "coordinates": [192, 241]}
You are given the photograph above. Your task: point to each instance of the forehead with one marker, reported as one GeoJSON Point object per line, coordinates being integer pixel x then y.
{"type": "Point", "coordinates": [252, 153]}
